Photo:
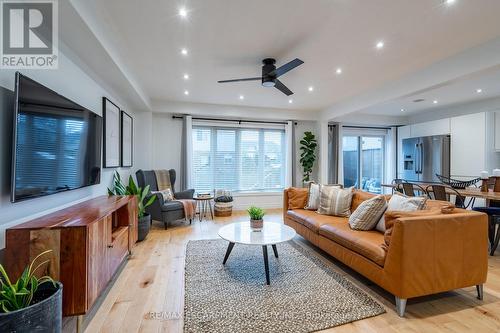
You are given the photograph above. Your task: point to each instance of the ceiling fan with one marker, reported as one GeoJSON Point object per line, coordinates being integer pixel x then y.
{"type": "Point", "coordinates": [270, 74]}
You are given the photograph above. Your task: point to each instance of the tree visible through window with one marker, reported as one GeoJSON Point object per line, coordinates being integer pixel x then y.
{"type": "Point", "coordinates": [238, 159]}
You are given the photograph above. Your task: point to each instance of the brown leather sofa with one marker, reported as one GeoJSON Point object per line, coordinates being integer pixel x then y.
{"type": "Point", "coordinates": [427, 254]}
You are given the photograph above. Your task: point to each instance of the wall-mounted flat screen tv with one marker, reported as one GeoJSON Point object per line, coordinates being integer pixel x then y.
{"type": "Point", "coordinates": [56, 143]}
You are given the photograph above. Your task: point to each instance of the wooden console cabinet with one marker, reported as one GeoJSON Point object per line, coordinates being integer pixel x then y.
{"type": "Point", "coordinates": [89, 242]}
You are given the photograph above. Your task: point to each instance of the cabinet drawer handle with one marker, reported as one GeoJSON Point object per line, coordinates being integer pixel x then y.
{"type": "Point", "coordinates": [110, 246]}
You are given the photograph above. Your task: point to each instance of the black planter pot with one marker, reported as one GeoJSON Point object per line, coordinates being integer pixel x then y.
{"type": "Point", "coordinates": [144, 224]}
{"type": "Point", "coordinates": [43, 316]}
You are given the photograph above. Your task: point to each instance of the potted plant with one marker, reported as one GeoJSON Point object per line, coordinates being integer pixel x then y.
{"type": "Point", "coordinates": [144, 221]}
{"type": "Point", "coordinates": [31, 304]}
{"type": "Point", "coordinates": [256, 218]}
{"type": "Point", "coordinates": [307, 156]}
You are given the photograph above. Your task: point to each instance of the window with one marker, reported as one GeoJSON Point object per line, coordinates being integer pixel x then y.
{"type": "Point", "coordinates": [363, 159]}
{"type": "Point", "coordinates": [238, 159]}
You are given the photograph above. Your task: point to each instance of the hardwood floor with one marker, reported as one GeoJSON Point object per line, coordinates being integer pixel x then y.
{"type": "Point", "coordinates": [148, 295]}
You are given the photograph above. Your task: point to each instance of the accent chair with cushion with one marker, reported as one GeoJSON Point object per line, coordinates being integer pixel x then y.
{"type": "Point", "coordinates": [161, 210]}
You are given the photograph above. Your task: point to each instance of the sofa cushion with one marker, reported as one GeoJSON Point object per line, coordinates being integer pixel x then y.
{"type": "Point", "coordinates": [358, 197]}
{"type": "Point", "coordinates": [172, 205]}
{"type": "Point", "coordinates": [366, 243]}
{"type": "Point", "coordinates": [368, 213]}
{"type": "Point", "coordinates": [313, 220]}
{"type": "Point", "coordinates": [297, 198]}
{"type": "Point", "coordinates": [391, 216]}
{"type": "Point", "coordinates": [335, 201]}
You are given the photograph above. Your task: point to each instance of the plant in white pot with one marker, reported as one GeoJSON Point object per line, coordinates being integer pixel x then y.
{"type": "Point", "coordinates": [308, 146]}
{"type": "Point", "coordinates": [31, 304]}
{"type": "Point", "coordinates": [143, 201]}
{"type": "Point", "coordinates": [256, 218]}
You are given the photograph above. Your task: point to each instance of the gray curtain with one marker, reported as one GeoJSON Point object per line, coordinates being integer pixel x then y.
{"type": "Point", "coordinates": [333, 153]}
{"type": "Point", "coordinates": [185, 152]}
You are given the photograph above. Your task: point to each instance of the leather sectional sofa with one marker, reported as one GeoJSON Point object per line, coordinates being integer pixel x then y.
{"type": "Point", "coordinates": [427, 254]}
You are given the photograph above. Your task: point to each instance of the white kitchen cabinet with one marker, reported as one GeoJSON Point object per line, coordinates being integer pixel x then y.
{"type": "Point", "coordinates": [468, 145]}
{"type": "Point", "coordinates": [435, 127]}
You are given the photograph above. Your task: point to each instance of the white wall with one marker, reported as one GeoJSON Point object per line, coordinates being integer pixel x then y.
{"type": "Point", "coordinates": [70, 81]}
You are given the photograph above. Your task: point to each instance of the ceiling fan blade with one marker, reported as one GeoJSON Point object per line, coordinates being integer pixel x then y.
{"type": "Point", "coordinates": [281, 87]}
{"type": "Point", "coordinates": [287, 67]}
{"type": "Point", "coordinates": [239, 80]}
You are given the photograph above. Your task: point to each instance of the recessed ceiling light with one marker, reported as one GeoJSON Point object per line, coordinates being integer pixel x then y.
{"type": "Point", "coordinates": [186, 92]}
{"type": "Point", "coordinates": [183, 12]}
{"type": "Point", "coordinates": [186, 76]}
{"type": "Point", "coordinates": [380, 45]}
{"type": "Point", "coordinates": [184, 51]}
{"type": "Point", "coordinates": [339, 70]}
{"type": "Point", "coordinates": [403, 110]}
{"type": "Point", "coordinates": [311, 88]}
{"type": "Point", "coordinates": [479, 91]}
{"type": "Point", "coordinates": [449, 2]}
{"type": "Point", "coordinates": [242, 97]}
{"type": "Point", "coordinates": [290, 101]}
{"type": "Point", "coordinates": [434, 102]}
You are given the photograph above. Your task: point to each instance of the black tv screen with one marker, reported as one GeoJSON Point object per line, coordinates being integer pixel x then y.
{"type": "Point", "coordinates": [57, 143]}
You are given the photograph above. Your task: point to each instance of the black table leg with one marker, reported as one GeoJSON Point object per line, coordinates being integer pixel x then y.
{"type": "Point", "coordinates": [266, 263]}
{"type": "Point", "coordinates": [228, 252]}
{"type": "Point", "coordinates": [275, 250]}
{"type": "Point", "coordinates": [211, 211]}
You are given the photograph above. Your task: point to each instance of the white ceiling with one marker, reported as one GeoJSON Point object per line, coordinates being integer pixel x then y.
{"type": "Point", "coordinates": [228, 38]}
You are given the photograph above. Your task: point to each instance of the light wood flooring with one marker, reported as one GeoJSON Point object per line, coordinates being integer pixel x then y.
{"type": "Point", "coordinates": [152, 281]}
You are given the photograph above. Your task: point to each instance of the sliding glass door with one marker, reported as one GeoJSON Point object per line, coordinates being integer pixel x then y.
{"type": "Point", "coordinates": [363, 162]}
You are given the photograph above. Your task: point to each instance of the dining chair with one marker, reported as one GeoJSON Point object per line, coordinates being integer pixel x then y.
{"type": "Point", "coordinates": [396, 182]}
{"type": "Point", "coordinates": [409, 189]}
{"type": "Point", "coordinates": [443, 193]}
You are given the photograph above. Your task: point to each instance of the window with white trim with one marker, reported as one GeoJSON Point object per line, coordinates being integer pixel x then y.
{"type": "Point", "coordinates": [238, 159]}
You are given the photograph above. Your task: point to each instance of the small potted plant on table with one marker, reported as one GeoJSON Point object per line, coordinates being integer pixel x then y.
{"type": "Point", "coordinates": [256, 218]}
{"type": "Point", "coordinates": [31, 304]}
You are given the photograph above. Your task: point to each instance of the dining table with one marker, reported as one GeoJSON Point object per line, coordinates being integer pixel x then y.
{"type": "Point", "coordinates": [471, 192]}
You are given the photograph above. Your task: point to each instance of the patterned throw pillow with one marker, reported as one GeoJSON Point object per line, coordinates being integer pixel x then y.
{"type": "Point", "coordinates": [368, 213]}
{"type": "Point", "coordinates": [313, 197]}
{"type": "Point", "coordinates": [336, 201]}
{"type": "Point", "coordinates": [167, 194]}
{"type": "Point", "coordinates": [402, 203]}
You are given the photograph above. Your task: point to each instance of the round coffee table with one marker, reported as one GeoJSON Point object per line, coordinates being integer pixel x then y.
{"type": "Point", "coordinates": [271, 234]}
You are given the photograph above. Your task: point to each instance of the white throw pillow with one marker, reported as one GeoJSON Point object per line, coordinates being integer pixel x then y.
{"type": "Point", "coordinates": [368, 213]}
{"type": "Point", "coordinates": [336, 201]}
{"type": "Point", "coordinates": [313, 197]}
{"type": "Point", "coordinates": [400, 202]}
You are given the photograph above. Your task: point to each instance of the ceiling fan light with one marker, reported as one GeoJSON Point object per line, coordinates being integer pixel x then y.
{"type": "Point", "coordinates": [268, 83]}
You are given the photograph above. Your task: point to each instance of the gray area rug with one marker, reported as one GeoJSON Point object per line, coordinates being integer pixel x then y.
{"type": "Point", "coordinates": [305, 294]}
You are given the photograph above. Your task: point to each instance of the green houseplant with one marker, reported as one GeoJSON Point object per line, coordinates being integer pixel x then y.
{"type": "Point", "coordinates": [256, 217]}
{"type": "Point", "coordinates": [143, 201]}
{"type": "Point", "coordinates": [39, 299]}
{"type": "Point", "coordinates": [308, 146]}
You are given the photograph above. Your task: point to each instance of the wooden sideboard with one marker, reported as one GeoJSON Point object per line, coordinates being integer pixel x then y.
{"type": "Point", "coordinates": [89, 242]}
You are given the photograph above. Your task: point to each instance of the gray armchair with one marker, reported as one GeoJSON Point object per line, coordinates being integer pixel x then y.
{"type": "Point", "coordinates": [160, 210]}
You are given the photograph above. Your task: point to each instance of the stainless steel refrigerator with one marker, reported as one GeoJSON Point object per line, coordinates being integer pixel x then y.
{"type": "Point", "coordinates": [425, 157]}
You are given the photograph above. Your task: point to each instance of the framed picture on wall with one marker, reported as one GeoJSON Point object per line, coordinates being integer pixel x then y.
{"type": "Point", "coordinates": [111, 128]}
{"type": "Point", "coordinates": [127, 129]}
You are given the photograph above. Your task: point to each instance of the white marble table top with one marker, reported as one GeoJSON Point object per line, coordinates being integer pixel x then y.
{"type": "Point", "coordinates": [241, 233]}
